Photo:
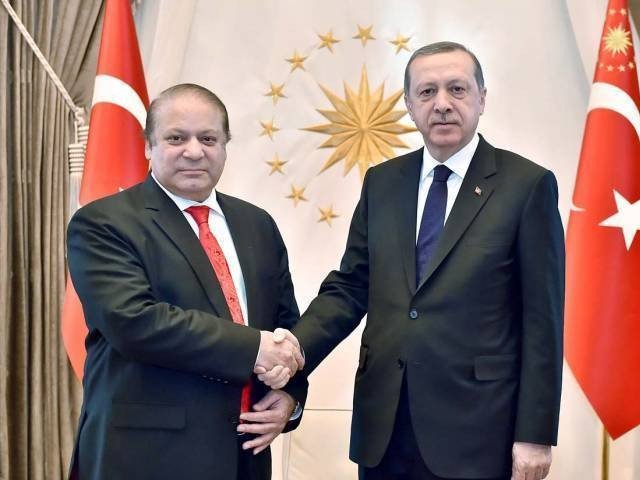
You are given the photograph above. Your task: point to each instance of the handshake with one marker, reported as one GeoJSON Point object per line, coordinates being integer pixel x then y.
{"type": "Point", "coordinates": [279, 358]}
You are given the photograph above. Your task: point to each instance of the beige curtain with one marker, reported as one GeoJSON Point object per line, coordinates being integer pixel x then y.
{"type": "Point", "coordinates": [39, 397]}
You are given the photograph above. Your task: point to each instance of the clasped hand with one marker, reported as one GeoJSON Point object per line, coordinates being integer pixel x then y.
{"type": "Point", "coordinates": [279, 358]}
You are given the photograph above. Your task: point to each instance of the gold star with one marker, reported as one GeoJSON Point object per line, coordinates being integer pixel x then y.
{"type": "Point", "coordinates": [401, 43]}
{"type": "Point", "coordinates": [623, 11]}
{"type": "Point", "coordinates": [268, 128]}
{"type": "Point", "coordinates": [363, 127]}
{"type": "Point", "coordinates": [612, 11]}
{"type": "Point", "coordinates": [364, 34]}
{"type": "Point", "coordinates": [297, 195]}
{"type": "Point", "coordinates": [601, 65]}
{"type": "Point", "coordinates": [617, 40]}
{"type": "Point", "coordinates": [631, 65]}
{"type": "Point", "coordinates": [621, 68]}
{"type": "Point", "coordinates": [296, 61]}
{"type": "Point", "coordinates": [275, 92]}
{"type": "Point", "coordinates": [276, 164]}
{"type": "Point", "coordinates": [328, 40]}
{"type": "Point", "coordinates": [609, 68]}
{"type": "Point", "coordinates": [326, 215]}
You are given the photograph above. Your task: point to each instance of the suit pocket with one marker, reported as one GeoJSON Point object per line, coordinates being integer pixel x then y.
{"type": "Point", "coordinates": [144, 415]}
{"type": "Point", "coordinates": [362, 360]}
{"type": "Point", "coordinates": [496, 367]}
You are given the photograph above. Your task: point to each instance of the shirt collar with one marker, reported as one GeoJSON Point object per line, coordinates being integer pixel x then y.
{"type": "Point", "coordinates": [183, 203]}
{"type": "Point", "coordinates": [458, 162]}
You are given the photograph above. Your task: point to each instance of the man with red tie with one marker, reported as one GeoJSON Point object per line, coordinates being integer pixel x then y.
{"type": "Point", "coordinates": [181, 288]}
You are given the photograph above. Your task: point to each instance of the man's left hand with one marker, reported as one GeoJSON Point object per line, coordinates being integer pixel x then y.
{"type": "Point", "coordinates": [530, 461]}
{"type": "Point", "coordinates": [268, 419]}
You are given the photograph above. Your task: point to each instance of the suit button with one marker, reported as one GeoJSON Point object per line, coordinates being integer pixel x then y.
{"type": "Point", "coordinates": [413, 314]}
{"type": "Point", "coordinates": [400, 363]}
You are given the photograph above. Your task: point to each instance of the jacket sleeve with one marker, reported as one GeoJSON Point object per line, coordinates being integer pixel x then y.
{"type": "Point", "coordinates": [343, 297]}
{"type": "Point", "coordinates": [287, 317]}
{"type": "Point", "coordinates": [120, 306]}
{"type": "Point", "coordinates": [541, 261]}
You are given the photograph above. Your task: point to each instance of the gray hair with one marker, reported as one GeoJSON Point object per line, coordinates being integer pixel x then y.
{"type": "Point", "coordinates": [184, 89]}
{"type": "Point", "coordinates": [443, 47]}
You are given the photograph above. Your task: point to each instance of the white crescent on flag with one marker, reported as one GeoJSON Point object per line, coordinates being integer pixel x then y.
{"type": "Point", "coordinates": [108, 89]}
{"type": "Point", "coordinates": [610, 97]}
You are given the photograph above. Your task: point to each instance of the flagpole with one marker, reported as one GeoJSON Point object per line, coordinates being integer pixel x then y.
{"type": "Point", "coordinates": [605, 454]}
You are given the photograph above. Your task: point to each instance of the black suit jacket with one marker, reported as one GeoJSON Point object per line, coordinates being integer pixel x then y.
{"type": "Point", "coordinates": [479, 340]}
{"type": "Point", "coordinates": [165, 363]}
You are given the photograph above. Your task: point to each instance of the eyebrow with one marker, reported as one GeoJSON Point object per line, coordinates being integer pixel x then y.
{"type": "Point", "coordinates": [210, 131]}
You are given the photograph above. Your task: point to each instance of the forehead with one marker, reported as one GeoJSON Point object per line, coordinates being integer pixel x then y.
{"type": "Point", "coordinates": [442, 66]}
{"type": "Point", "coordinates": [187, 109]}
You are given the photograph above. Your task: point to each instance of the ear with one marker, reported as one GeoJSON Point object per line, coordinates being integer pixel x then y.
{"type": "Point", "coordinates": [407, 102]}
{"type": "Point", "coordinates": [147, 150]}
{"type": "Point", "coordinates": [483, 97]}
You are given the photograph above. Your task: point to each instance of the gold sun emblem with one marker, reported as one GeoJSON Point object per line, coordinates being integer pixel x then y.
{"type": "Point", "coordinates": [617, 40]}
{"type": "Point", "coordinates": [364, 127]}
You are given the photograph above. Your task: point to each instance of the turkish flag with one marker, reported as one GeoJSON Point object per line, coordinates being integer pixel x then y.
{"type": "Point", "coordinates": [115, 157]}
{"type": "Point", "coordinates": [602, 316]}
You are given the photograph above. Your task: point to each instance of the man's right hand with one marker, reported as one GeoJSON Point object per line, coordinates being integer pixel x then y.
{"type": "Point", "coordinates": [278, 350]}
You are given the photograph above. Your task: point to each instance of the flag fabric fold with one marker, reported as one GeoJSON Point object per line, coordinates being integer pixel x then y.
{"type": "Point", "coordinates": [115, 150]}
{"type": "Point", "coordinates": [602, 316]}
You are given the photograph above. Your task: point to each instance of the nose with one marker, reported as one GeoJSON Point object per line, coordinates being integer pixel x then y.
{"type": "Point", "coordinates": [442, 105]}
{"type": "Point", "coordinates": [193, 149]}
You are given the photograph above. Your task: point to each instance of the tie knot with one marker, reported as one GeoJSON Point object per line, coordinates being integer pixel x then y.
{"type": "Point", "coordinates": [441, 173]}
{"type": "Point", "coordinates": [200, 213]}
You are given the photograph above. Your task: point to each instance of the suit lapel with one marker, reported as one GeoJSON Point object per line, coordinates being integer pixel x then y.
{"type": "Point", "coordinates": [467, 204]}
{"type": "Point", "coordinates": [244, 241]}
{"type": "Point", "coordinates": [171, 221]}
{"type": "Point", "coordinates": [406, 214]}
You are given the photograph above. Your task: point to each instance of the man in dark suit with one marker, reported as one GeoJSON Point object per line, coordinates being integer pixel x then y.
{"type": "Point", "coordinates": [181, 287]}
{"type": "Point", "coordinates": [456, 254]}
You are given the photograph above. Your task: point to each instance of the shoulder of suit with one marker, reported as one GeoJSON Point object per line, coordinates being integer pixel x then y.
{"type": "Point", "coordinates": [513, 164]}
{"type": "Point", "coordinates": [397, 163]}
{"type": "Point", "coordinates": [237, 204]}
{"type": "Point", "coordinates": [120, 201]}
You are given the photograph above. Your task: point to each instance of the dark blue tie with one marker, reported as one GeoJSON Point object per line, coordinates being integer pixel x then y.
{"type": "Point", "coordinates": [432, 220]}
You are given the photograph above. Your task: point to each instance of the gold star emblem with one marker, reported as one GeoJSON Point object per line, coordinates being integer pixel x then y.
{"type": "Point", "coordinates": [275, 92]}
{"type": "Point", "coordinates": [601, 65]}
{"type": "Point", "coordinates": [401, 43]}
{"type": "Point", "coordinates": [268, 128]}
{"type": "Point", "coordinates": [364, 34]}
{"type": "Point", "coordinates": [328, 40]}
{"type": "Point", "coordinates": [297, 195]}
{"type": "Point", "coordinates": [364, 127]}
{"type": "Point", "coordinates": [617, 40]}
{"type": "Point", "coordinates": [326, 215]}
{"type": "Point", "coordinates": [609, 68]}
{"type": "Point", "coordinates": [631, 65]}
{"type": "Point", "coordinates": [623, 11]}
{"type": "Point", "coordinates": [612, 11]}
{"type": "Point", "coordinates": [621, 68]}
{"type": "Point", "coordinates": [296, 61]}
{"type": "Point", "coordinates": [276, 164]}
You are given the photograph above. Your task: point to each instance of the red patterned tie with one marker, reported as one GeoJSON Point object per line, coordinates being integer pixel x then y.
{"type": "Point", "coordinates": [220, 266]}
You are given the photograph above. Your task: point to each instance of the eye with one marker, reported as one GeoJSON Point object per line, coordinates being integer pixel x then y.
{"type": "Point", "coordinates": [458, 91]}
{"type": "Point", "coordinates": [208, 140]}
{"type": "Point", "coordinates": [175, 139]}
{"type": "Point", "coordinates": [427, 92]}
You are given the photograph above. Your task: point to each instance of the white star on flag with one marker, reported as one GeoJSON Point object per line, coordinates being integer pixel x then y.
{"type": "Point", "coordinates": [627, 218]}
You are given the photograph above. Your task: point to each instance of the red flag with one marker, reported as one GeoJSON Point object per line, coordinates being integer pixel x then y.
{"type": "Point", "coordinates": [602, 317]}
{"type": "Point", "coordinates": [115, 151]}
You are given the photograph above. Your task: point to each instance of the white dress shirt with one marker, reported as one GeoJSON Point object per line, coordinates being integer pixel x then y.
{"type": "Point", "coordinates": [458, 163]}
{"type": "Point", "coordinates": [220, 229]}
